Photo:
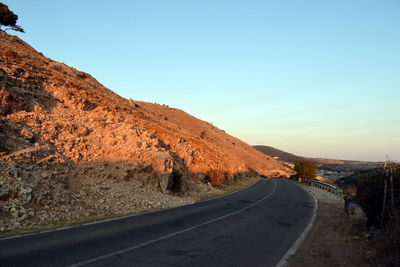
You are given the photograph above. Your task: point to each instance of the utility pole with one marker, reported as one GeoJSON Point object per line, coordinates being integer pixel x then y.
{"type": "Point", "coordinates": [384, 176]}
{"type": "Point", "coordinates": [387, 175]}
{"type": "Point", "coordinates": [391, 171]}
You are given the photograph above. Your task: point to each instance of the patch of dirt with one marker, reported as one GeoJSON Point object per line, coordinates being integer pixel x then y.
{"type": "Point", "coordinates": [330, 242]}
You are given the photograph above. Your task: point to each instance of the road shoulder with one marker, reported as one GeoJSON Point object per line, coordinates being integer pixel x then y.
{"type": "Point", "coordinates": [329, 243]}
{"type": "Point", "coordinates": [171, 201]}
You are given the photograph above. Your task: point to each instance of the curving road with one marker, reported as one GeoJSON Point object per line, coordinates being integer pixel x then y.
{"type": "Point", "coordinates": [252, 227]}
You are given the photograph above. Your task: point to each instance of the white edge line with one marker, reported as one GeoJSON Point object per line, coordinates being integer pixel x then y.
{"type": "Point", "coordinates": [293, 249]}
{"type": "Point", "coordinates": [172, 234]}
{"type": "Point", "coordinates": [125, 216]}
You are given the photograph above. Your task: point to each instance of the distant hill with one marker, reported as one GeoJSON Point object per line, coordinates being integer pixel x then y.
{"type": "Point", "coordinates": [289, 157]}
{"type": "Point", "coordinates": [329, 169]}
{"type": "Point", "coordinates": [274, 152]}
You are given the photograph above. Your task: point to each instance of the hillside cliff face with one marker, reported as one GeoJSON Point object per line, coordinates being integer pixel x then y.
{"type": "Point", "coordinates": [61, 129]}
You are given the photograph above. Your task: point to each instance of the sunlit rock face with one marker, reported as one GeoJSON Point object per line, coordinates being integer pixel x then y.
{"type": "Point", "coordinates": [62, 131]}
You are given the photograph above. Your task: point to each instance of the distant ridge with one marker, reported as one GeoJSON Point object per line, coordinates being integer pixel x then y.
{"type": "Point", "coordinates": [274, 152]}
{"type": "Point", "coordinates": [289, 157]}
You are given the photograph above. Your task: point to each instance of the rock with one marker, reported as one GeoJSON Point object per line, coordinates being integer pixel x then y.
{"type": "Point", "coordinates": [372, 232]}
{"type": "Point", "coordinates": [356, 216]}
{"type": "Point", "coordinates": [164, 180]}
{"type": "Point", "coordinates": [22, 217]}
{"type": "Point", "coordinates": [26, 194]}
{"type": "Point", "coordinates": [88, 105]}
{"type": "Point", "coordinates": [105, 187]}
{"type": "Point", "coordinates": [3, 226]}
{"type": "Point", "coordinates": [4, 195]}
{"type": "Point", "coordinates": [5, 104]}
{"type": "Point", "coordinates": [370, 253]}
{"type": "Point", "coordinates": [13, 171]}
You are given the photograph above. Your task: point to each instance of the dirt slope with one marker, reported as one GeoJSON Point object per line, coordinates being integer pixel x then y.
{"type": "Point", "coordinates": [69, 143]}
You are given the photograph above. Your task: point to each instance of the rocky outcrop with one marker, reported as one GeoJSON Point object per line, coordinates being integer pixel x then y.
{"type": "Point", "coordinates": [70, 147]}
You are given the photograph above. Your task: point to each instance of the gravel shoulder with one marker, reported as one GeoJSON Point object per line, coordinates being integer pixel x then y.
{"type": "Point", "coordinates": [141, 200]}
{"type": "Point", "coordinates": [330, 242]}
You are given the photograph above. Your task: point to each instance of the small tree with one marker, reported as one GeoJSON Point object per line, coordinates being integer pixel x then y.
{"type": "Point", "coordinates": [305, 169]}
{"type": "Point", "coordinates": [9, 19]}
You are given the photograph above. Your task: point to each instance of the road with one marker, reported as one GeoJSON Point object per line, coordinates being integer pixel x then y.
{"type": "Point", "coordinates": [252, 227]}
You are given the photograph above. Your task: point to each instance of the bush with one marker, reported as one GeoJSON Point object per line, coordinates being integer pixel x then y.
{"type": "Point", "coordinates": [305, 169]}
{"type": "Point", "coordinates": [370, 194]}
{"type": "Point", "coordinates": [370, 189]}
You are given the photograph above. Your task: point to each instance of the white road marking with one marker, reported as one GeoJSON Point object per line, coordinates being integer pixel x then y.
{"type": "Point", "coordinates": [82, 263]}
{"type": "Point", "coordinates": [293, 249]}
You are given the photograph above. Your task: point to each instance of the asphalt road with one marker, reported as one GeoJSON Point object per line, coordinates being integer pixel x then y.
{"type": "Point", "coordinates": [252, 227]}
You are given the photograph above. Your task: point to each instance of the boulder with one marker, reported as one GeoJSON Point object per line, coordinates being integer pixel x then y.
{"type": "Point", "coordinates": [4, 102]}
{"type": "Point", "coordinates": [356, 215]}
{"type": "Point", "coordinates": [4, 195]}
{"type": "Point", "coordinates": [26, 194]}
{"type": "Point", "coordinates": [13, 171]}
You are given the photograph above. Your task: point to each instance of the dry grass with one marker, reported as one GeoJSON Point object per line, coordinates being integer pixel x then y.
{"type": "Point", "coordinates": [331, 242]}
{"type": "Point", "coordinates": [385, 249]}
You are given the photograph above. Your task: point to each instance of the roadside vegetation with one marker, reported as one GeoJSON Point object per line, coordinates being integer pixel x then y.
{"type": "Point", "coordinates": [305, 169]}
{"type": "Point", "coordinates": [378, 192]}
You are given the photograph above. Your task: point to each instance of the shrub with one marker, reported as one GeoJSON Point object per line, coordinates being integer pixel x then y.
{"type": "Point", "coordinates": [305, 169]}
{"type": "Point", "coordinates": [9, 19]}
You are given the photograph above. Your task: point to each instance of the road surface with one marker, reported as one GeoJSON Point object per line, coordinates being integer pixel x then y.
{"type": "Point", "coordinates": [252, 227]}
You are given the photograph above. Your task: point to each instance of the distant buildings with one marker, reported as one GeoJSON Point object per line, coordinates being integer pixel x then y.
{"type": "Point", "coordinates": [333, 175]}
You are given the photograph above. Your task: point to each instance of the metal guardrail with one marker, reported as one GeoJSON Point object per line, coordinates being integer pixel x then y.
{"type": "Point", "coordinates": [325, 186]}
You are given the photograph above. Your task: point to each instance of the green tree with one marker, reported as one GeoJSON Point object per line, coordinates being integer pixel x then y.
{"type": "Point", "coordinates": [305, 169]}
{"type": "Point", "coordinates": [9, 19]}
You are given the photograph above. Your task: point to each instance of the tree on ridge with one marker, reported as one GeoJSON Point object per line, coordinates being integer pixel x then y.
{"type": "Point", "coordinates": [9, 19]}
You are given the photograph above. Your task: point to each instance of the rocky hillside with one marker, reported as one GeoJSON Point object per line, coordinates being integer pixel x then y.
{"type": "Point", "coordinates": [69, 147]}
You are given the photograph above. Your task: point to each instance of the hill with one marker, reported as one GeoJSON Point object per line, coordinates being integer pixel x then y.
{"type": "Point", "coordinates": [70, 147]}
{"type": "Point", "coordinates": [331, 169]}
{"type": "Point", "coordinates": [274, 152]}
{"type": "Point", "coordinates": [289, 157]}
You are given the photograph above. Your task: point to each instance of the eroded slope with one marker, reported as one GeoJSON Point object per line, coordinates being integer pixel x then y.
{"type": "Point", "coordinates": [70, 147]}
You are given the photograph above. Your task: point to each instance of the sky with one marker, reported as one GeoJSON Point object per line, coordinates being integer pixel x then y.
{"type": "Point", "coordinates": [316, 78]}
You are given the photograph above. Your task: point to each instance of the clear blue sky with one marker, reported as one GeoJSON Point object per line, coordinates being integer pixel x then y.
{"type": "Point", "coordinates": [316, 78]}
